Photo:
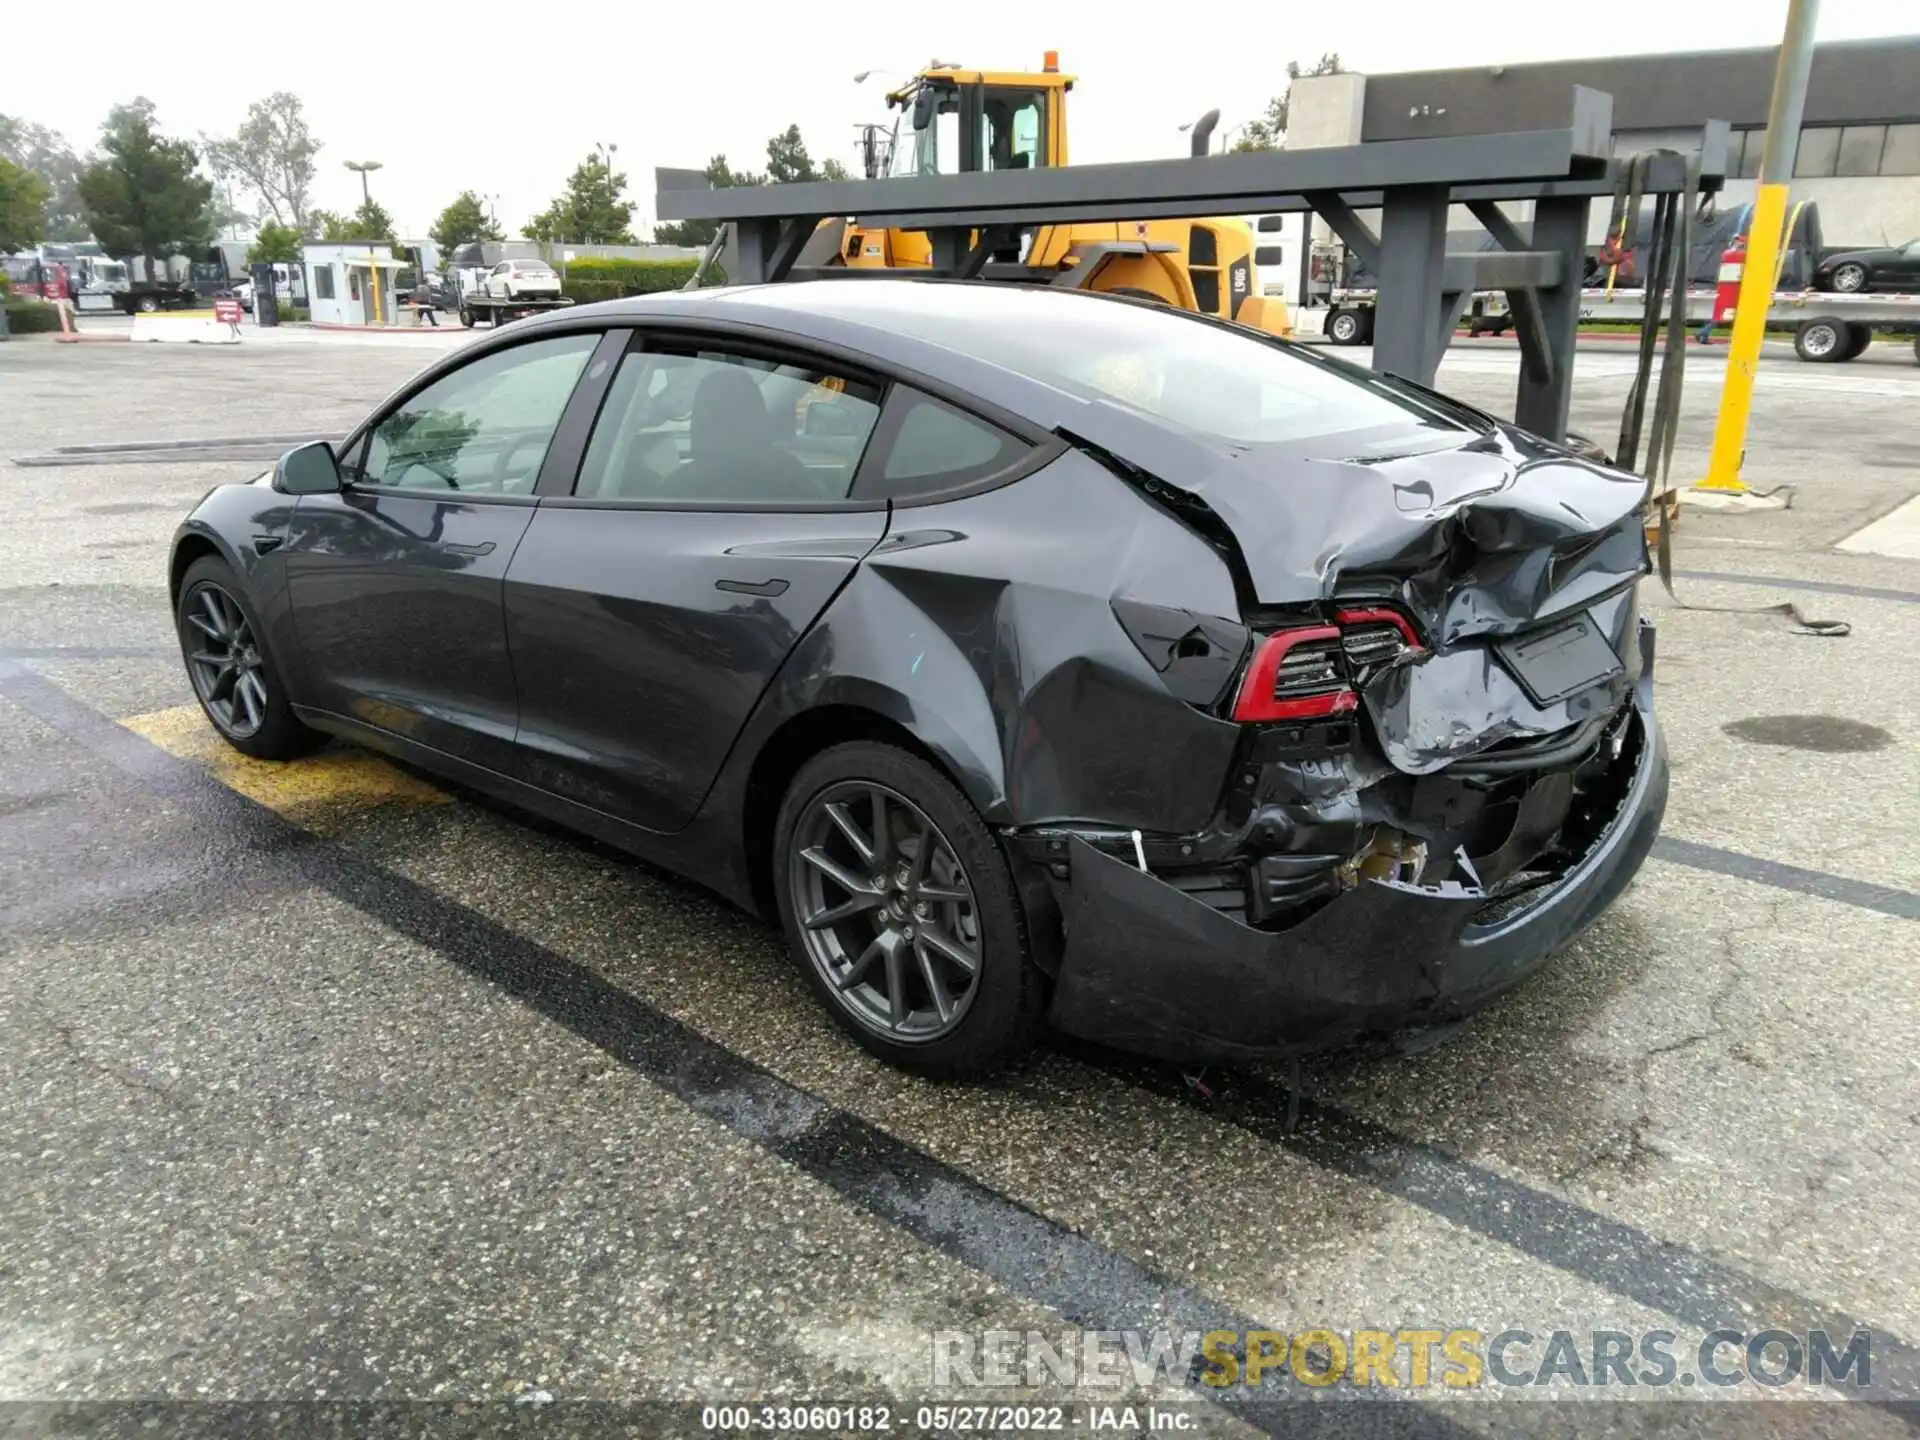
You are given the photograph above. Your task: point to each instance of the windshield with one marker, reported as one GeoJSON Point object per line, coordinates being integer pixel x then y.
{"type": "Point", "coordinates": [936, 149]}
{"type": "Point", "coordinates": [1213, 380]}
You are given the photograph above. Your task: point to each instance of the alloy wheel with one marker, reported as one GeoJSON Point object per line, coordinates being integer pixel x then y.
{"type": "Point", "coordinates": [1850, 277]}
{"type": "Point", "coordinates": [224, 660]}
{"type": "Point", "coordinates": [886, 911]}
{"type": "Point", "coordinates": [1820, 341]}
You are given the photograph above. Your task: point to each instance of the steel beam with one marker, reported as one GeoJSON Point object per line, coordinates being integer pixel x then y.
{"type": "Point", "coordinates": [1351, 229]}
{"type": "Point", "coordinates": [1495, 222]}
{"type": "Point", "coordinates": [1599, 187]}
{"type": "Point", "coordinates": [1546, 378]}
{"type": "Point", "coordinates": [1221, 185]}
{"type": "Point", "coordinates": [1413, 257]}
{"type": "Point", "coordinates": [1472, 270]}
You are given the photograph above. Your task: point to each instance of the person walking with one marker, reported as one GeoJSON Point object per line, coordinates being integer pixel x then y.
{"type": "Point", "coordinates": [423, 298]}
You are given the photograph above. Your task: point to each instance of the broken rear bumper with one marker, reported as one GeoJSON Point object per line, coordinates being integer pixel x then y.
{"type": "Point", "coordinates": [1150, 969]}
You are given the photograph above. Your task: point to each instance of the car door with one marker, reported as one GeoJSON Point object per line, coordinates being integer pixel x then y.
{"type": "Point", "coordinates": [710, 526]}
{"type": "Point", "coordinates": [396, 581]}
{"type": "Point", "coordinates": [1905, 271]}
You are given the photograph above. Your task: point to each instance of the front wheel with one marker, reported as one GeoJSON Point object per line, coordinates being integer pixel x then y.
{"type": "Point", "coordinates": [234, 675]}
{"type": "Point", "coordinates": [1343, 327]}
{"type": "Point", "coordinates": [1850, 278]}
{"type": "Point", "coordinates": [901, 909]}
{"type": "Point", "coordinates": [148, 304]}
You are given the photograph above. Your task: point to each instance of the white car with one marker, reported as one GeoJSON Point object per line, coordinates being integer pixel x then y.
{"type": "Point", "coordinates": [522, 280]}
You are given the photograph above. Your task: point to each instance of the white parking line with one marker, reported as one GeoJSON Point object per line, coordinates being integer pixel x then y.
{"type": "Point", "coordinates": [1896, 534]}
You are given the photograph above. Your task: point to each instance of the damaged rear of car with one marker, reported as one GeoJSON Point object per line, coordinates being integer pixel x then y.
{"type": "Point", "coordinates": [1307, 703]}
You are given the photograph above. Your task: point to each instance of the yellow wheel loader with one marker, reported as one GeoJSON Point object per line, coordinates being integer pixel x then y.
{"type": "Point", "coordinates": [957, 121]}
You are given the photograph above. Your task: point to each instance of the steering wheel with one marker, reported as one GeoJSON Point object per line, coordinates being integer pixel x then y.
{"type": "Point", "coordinates": [421, 462]}
{"type": "Point", "coordinates": [507, 452]}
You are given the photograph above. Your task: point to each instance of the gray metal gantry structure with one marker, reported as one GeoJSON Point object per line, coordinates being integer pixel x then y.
{"type": "Point", "coordinates": [1422, 287]}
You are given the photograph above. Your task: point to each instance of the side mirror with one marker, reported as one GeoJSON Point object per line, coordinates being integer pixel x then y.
{"type": "Point", "coordinates": [924, 103]}
{"type": "Point", "coordinates": [309, 469]}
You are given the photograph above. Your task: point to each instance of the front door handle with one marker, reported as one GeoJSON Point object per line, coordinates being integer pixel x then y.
{"type": "Point", "coordinates": [775, 586]}
{"type": "Point", "coordinates": [485, 547]}
{"type": "Point", "coordinates": [267, 544]}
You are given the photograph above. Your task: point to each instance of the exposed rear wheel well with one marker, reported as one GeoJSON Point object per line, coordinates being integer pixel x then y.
{"type": "Point", "coordinates": [790, 747]}
{"type": "Point", "coordinates": [192, 548]}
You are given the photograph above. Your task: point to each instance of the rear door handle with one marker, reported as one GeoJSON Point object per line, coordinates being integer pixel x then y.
{"type": "Point", "coordinates": [775, 586]}
{"type": "Point", "coordinates": [267, 544]}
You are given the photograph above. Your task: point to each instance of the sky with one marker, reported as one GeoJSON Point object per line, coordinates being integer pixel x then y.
{"type": "Point", "coordinates": [509, 98]}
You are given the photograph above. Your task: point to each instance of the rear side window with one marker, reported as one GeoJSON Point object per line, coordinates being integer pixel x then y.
{"type": "Point", "coordinates": [706, 426]}
{"type": "Point", "coordinates": [932, 447]}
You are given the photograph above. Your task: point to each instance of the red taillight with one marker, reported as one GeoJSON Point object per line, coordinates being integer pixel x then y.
{"type": "Point", "coordinates": [1296, 675]}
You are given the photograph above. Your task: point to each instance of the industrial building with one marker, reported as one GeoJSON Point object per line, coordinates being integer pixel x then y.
{"type": "Point", "coordinates": [1859, 152]}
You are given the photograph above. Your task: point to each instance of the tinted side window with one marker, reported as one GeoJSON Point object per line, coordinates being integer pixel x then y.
{"type": "Point", "coordinates": [702, 426]}
{"type": "Point", "coordinates": [483, 429]}
{"type": "Point", "coordinates": [935, 447]}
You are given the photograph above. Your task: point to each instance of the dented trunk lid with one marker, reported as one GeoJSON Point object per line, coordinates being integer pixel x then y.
{"type": "Point", "coordinates": [1485, 537]}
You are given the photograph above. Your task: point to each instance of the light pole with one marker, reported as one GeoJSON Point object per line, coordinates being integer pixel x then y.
{"type": "Point", "coordinates": [365, 168]}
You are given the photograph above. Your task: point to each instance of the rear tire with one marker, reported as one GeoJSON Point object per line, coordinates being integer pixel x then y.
{"type": "Point", "coordinates": [1344, 327]}
{"type": "Point", "coordinates": [1859, 337]}
{"type": "Point", "coordinates": [1000, 1013]}
{"type": "Point", "coordinates": [1849, 279]}
{"type": "Point", "coordinates": [1820, 342]}
{"type": "Point", "coordinates": [215, 620]}
{"type": "Point", "coordinates": [466, 316]}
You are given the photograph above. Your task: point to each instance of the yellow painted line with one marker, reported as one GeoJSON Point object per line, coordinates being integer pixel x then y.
{"type": "Point", "coordinates": [319, 792]}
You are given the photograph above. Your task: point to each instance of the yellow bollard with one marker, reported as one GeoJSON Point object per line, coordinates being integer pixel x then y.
{"type": "Point", "coordinates": [1743, 346]}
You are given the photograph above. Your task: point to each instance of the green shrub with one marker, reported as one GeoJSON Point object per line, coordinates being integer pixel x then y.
{"type": "Point", "coordinates": [32, 317]}
{"type": "Point", "coordinates": [291, 313]}
{"type": "Point", "coordinates": [589, 280]}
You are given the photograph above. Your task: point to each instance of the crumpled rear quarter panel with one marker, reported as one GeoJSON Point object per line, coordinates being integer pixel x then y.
{"type": "Point", "coordinates": [992, 618]}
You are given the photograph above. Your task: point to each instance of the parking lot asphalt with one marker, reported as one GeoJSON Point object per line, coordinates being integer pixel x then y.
{"type": "Point", "coordinates": [323, 1082]}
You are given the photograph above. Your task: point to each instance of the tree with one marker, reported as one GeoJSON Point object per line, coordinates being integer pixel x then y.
{"type": "Point", "coordinates": [462, 223]}
{"type": "Point", "coordinates": [271, 155]}
{"type": "Point", "coordinates": [278, 244]}
{"type": "Point", "coordinates": [369, 222]}
{"type": "Point", "coordinates": [23, 199]}
{"type": "Point", "coordinates": [591, 212]}
{"type": "Point", "coordinates": [142, 196]}
{"type": "Point", "coordinates": [701, 232]}
{"type": "Point", "coordinates": [788, 161]}
{"type": "Point", "coordinates": [45, 153]}
{"type": "Point", "coordinates": [1270, 131]}
{"type": "Point", "coordinates": [787, 158]}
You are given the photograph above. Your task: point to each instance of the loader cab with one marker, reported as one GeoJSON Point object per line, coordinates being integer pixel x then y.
{"type": "Point", "coordinates": [965, 121]}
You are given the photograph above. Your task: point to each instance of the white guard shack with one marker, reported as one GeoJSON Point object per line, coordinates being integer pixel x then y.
{"type": "Point", "coordinates": [352, 284]}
